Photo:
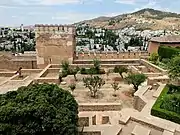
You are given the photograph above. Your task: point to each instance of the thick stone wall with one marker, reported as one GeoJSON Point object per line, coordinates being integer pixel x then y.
{"type": "Point", "coordinates": [139, 100]}
{"type": "Point", "coordinates": [100, 107]}
{"type": "Point", "coordinates": [139, 103]}
{"type": "Point", "coordinates": [54, 43]}
{"type": "Point", "coordinates": [162, 79]}
{"type": "Point", "coordinates": [110, 55]}
{"type": "Point", "coordinates": [14, 65]}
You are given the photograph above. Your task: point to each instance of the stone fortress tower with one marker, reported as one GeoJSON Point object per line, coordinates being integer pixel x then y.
{"type": "Point", "coordinates": [54, 43]}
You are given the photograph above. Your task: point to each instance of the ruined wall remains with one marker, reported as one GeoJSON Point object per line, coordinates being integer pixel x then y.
{"type": "Point", "coordinates": [54, 43]}
{"type": "Point", "coordinates": [13, 63]}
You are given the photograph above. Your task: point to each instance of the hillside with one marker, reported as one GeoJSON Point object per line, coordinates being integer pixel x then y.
{"type": "Point", "coordinates": [149, 19]}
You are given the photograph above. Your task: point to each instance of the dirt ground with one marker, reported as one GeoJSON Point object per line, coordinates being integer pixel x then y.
{"type": "Point", "coordinates": [105, 94]}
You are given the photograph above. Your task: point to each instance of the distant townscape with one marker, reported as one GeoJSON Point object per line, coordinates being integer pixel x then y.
{"type": "Point", "coordinates": [127, 32]}
{"type": "Point", "coordinates": [120, 40]}
{"type": "Point", "coordinates": [17, 39]}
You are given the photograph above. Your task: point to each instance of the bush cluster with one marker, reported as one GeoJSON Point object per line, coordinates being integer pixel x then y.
{"type": "Point", "coordinates": [167, 105]}
{"type": "Point", "coordinates": [39, 109]}
{"type": "Point", "coordinates": [173, 89]}
{"type": "Point", "coordinates": [67, 70]}
{"type": "Point", "coordinates": [167, 52]}
{"type": "Point", "coordinates": [92, 71]}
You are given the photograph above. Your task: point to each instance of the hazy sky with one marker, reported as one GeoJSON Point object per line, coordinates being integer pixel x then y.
{"type": "Point", "coordinates": [30, 12]}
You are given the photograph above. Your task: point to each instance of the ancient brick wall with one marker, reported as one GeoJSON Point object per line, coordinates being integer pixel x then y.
{"type": "Point", "coordinates": [14, 64]}
{"type": "Point", "coordinates": [110, 55]}
{"type": "Point", "coordinates": [54, 43]}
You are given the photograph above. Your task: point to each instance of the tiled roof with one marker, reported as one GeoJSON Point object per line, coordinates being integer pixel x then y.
{"type": "Point", "coordinates": [166, 39]}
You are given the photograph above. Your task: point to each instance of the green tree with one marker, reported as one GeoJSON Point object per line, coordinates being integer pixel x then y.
{"type": "Point", "coordinates": [39, 109]}
{"type": "Point", "coordinates": [120, 70]}
{"type": "Point", "coordinates": [74, 72]}
{"type": "Point", "coordinates": [65, 65]}
{"type": "Point", "coordinates": [91, 71]}
{"type": "Point", "coordinates": [93, 83]}
{"type": "Point", "coordinates": [154, 58]}
{"type": "Point", "coordinates": [96, 64]}
{"type": "Point", "coordinates": [174, 68]}
{"type": "Point", "coordinates": [136, 80]}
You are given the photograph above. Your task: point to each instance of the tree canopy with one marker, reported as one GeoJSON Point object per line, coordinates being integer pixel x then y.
{"type": "Point", "coordinates": [174, 68]}
{"type": "Point", "coordinates": [136, 80]}
{"type": "Point", "coordinates": [39, 109]}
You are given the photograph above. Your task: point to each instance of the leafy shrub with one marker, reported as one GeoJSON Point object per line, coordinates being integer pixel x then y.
{"type": "Point", "coordinates": [92, 71]}
{"type": "Point", "coordinates": [154, 58]}
{"type": "Point", "coordinates": [171, 103]}
{"type": "Point", "coordinates": [94, 84]}
{"type": "Point", "coordinates": [174, 68]}
{"type": "Point", "coordinates": [64, 73]}
{"type": "Point", "coordinates": [96, 64]}
{"type": "Point", "coordinates": [116, 69]}
{"type": "Point", "coordinates": [165, 60]}
{"type": "Point", "coordinates": [136, 80]}
{"type": "Point", "coordinates": [120, 70]}
{"type": "Point", "coordinates": [173, 89]}
{"type": "Point", "coordinates": [39, 109]}
{"type": "Point", "coordinates": [65, 65]}
{"type": "Point", "coordinates": [167, 52]}
{"type": "Point", "coordinates": [162, 109]}
{"type": "Point", "coordinates": [83, 71]}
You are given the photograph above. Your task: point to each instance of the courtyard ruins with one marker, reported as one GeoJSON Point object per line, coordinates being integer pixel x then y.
{"type": "Point", "coordinates": [106, 114]}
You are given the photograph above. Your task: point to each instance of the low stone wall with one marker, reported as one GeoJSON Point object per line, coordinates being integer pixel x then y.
{"type": "Point", "coordinates": [47, 80]}
{"type": "Point", "coordinates": [139, 100]}
{"type": "Point", "coordinates": [15, 64]}
{"type": "Point", "coordinates": [162, 79]}
{"type": "Point", "coordinates": [44, 72]}
{"type": "Point", "coordinates": [134, 69]}
{"type": "Point", "coordinates": [152, 66]}
{"type": "Point", "coordinates": [29, 71]}
{"type": "Point", "coordinates": [153, 74]}
{"type": "Point", "coordinates": [139, 103]}
{"type": "Point", "coordinates": [7, 74]}
{"type": "Point", "coordinates": [110, 61]}
{"type": "Point", "coordinates": [111, 55]}
{"type": "Point", "coordinates": [100, 107]}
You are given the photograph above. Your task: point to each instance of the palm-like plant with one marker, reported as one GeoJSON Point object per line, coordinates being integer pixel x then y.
{"type": "Point", "coordinates": [65, 65]}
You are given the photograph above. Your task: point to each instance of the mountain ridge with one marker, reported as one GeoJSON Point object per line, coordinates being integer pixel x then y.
{"type": "Point", "coordinates": [147, 18]}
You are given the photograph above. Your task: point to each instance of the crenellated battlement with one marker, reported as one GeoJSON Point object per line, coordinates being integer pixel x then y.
{"type": "Point", "coordinates": [54, 43]}
{"type": "Point", "coordinates": [63, 29]}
